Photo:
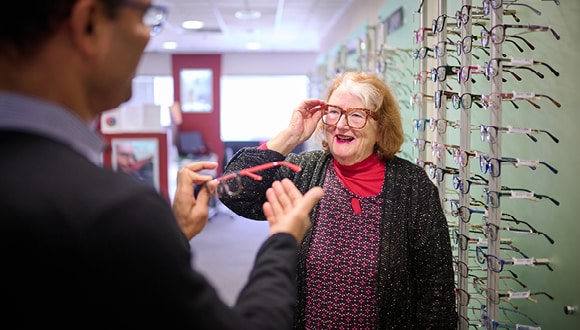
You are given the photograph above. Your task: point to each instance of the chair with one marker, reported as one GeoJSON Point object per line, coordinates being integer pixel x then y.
{"type": "Point", "coordinates": [190, 144]}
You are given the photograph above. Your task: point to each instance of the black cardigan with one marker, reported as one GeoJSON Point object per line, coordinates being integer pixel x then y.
{"type": "Point", "coordinates": [415, 279]}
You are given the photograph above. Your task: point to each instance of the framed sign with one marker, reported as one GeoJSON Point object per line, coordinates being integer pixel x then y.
{"type": "Point", "coordinates": [196, 90]}
{"type": "Point", "coordinates": [137, 157]}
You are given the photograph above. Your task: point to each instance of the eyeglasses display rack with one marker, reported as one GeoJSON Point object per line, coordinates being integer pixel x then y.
{"type": "Point", "coordinates": [464, 171]}
{"type": "Point", "coordinates": [494, 183]}
{"type": "Point", "coordinates": [489, 295]}
{"type": "Point", "coordinates": [440, 140]}
{"type": "Point", "coordinates": [420, 36]}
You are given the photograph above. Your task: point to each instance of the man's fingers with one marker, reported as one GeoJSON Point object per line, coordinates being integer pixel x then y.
{"type": "Point", "coordinates": [275, 196]}
{"type": "Point", "coordinates": [188, 174]}
{"type": "Point", "coordinates": [204, 195]}
{"type": "Point", "coordinates": [293, 193]}
{"type": "Point", "coordinates": [198, 166]}
{"type": "Point", "coordinates": [310, 198]}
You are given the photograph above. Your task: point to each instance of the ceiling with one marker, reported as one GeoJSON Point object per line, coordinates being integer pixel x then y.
{"type": "Point", "coordinates": [284, 25]}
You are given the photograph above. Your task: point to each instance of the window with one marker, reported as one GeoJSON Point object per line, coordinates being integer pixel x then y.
{"type": "Point", "coordinates": [156, 90]}
{"type": "Point", "coordinates": [256, 108]}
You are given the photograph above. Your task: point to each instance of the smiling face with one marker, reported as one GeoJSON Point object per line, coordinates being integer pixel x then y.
{"type": "Point", "coordinates": [348, 145]}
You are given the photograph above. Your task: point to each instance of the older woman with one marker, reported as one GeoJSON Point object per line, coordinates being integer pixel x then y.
{"type": "Point", "coordinates": [378, 255]}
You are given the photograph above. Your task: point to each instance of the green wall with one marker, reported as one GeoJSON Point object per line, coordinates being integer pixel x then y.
{"type": "Point", "coordinates": [562, 223]}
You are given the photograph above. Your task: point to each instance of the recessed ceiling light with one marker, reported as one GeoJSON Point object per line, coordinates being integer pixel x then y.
{"type": "Point", "coordinates": [254, 45]}
{"type": "Point", "coordinates": [192, 25]}
{"type": "Point", "coordinates": [248, 14]}
{"type": "Point", "coordinates": [170, 45]}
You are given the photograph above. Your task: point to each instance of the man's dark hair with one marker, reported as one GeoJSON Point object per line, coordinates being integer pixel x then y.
{"type": "Point", "coordinates": [27, 24]}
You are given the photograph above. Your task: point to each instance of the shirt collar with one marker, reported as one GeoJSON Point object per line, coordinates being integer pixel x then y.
{"type": "Point", "coordinates": [37, 116]}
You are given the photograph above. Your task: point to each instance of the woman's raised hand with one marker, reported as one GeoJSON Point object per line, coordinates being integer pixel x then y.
{"type": "Point", "coordinates": [302, 125]}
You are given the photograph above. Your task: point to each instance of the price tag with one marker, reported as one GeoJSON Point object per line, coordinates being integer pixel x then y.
{"type": "Point", "coordinates": [482, 241]}
{"type": "Point", "coordinates": [543, 261]}
{"type": "Point", "coordinates": [518, 295]}
{"type": "Point", "coordinates": [523, 95]}
{"type": "Point", "coordinates": [522, 130]}
{"type": "Point", "coordinates": [522, 194]}
{"type": "Point", "coordinates": [523, 261]}
{"type": "Point", "coordinates": [527, 327]}
{"type": "Point", "coordinates": [530, 163]}
{"type": "Point", "coordinates": [521, 61]}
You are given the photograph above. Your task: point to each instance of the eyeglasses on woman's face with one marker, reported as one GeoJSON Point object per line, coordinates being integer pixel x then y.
{"type": "Point", "coordinates": [355, 117]}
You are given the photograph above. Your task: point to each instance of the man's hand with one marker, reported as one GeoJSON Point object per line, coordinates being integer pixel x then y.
{"type": "Point", "coordinates": [287, 210]}
{"type": "Point", "coordinates": [191, 212]}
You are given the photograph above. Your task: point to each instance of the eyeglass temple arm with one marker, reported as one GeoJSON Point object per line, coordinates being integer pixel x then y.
{"type": "Point", "coordinates": [529, 44]}
{"type": "Point", "coordinates": [533, 138]}
{"type": "Point", "coordinates": [538, 73]}
{"type": "Point", "coordinates": [554, 138]}
{"type": "Point", "coordinates": [556, 73]}
{"type": "Point", "coordinates": [556, 103]}
{"type": "Point", "coordinates": [555, 201]}
{"type": "Point", "coordinates": [556, 35]}
{"type": "Point", "coordinates": [537, 106]}
{"type": "Point", "coordinates": [552, 168]}
{"type": "Point", "coordinates": [537, 12]}
{"type": "Point", "coordinates": [250, 171]}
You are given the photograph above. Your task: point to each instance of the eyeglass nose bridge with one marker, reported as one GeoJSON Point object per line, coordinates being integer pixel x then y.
{"type": "Point", "coordinates": [343, 115]}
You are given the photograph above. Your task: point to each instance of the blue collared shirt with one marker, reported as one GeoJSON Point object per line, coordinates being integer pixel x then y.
{"type": "Point", "coordinates": [26, 114]}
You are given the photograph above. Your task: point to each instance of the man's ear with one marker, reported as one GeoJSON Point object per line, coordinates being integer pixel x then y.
{"type": "Point", "coordinates": [88, 26]}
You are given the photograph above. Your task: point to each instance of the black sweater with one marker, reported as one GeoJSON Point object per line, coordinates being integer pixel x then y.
{"type": "Point", "coordinates": [415, 279]}
{"type": "Point", "coordinates": [84, 247]}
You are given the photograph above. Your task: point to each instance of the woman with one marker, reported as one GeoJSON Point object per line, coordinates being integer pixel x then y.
{"type": "Point", "coordinates": [378, 255]}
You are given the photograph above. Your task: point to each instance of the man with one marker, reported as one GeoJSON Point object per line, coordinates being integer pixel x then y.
{"type": "Point", "coordinates": [83, 246]}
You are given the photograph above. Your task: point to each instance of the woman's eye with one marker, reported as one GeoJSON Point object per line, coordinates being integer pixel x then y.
{"type": "Point", "coordinates": [357, 114]}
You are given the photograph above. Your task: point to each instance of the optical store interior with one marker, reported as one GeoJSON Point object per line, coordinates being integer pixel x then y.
{"type": "Point", "coordinates": [489, 107]}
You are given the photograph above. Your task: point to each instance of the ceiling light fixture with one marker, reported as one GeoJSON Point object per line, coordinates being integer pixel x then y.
{"type": "Point", "coordinates": [170, 45]}
{"type": "Point", "coordinates": [247, 14]}
{"type": "Point", "coordinates": [192, 25]}
{"type": "Point", "coordinates": [254, 45]}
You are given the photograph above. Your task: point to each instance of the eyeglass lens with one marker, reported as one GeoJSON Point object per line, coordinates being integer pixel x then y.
{"type": "Point", "coordinates": [355, 117]}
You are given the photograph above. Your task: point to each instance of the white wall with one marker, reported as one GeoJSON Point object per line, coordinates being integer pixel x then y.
{"type": "Point", "coordinates": [240, 63]}
{"type": "Point", "coordinates": [155, 64]}
{"type": "Point", "coordinates": [358, 13]}
{"type": "Point", "coordinates": [269, 63]}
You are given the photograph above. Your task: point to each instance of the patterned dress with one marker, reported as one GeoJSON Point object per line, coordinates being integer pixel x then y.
{"type": "Point", "coordinates": [342, 264]}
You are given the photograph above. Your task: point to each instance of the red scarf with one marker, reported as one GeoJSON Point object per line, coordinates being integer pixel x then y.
{"type": "Point", "coordinates": [363, 179]}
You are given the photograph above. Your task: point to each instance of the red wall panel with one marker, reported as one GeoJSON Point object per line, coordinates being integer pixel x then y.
{"type": "Point", "coordinates": [206, 123]}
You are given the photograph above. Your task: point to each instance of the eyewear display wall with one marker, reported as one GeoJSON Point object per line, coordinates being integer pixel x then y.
{"type": "Point", "coordinates": [480, 66]}
{"type": "Point", "coordinates": [480, 26]}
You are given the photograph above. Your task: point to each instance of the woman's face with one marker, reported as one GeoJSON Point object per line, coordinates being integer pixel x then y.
{"type": "Point", "coordinates": [348, 145]}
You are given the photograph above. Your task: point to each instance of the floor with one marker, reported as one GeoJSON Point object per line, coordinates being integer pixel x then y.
{"type": "Point", "coordinates": [224, 251]}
